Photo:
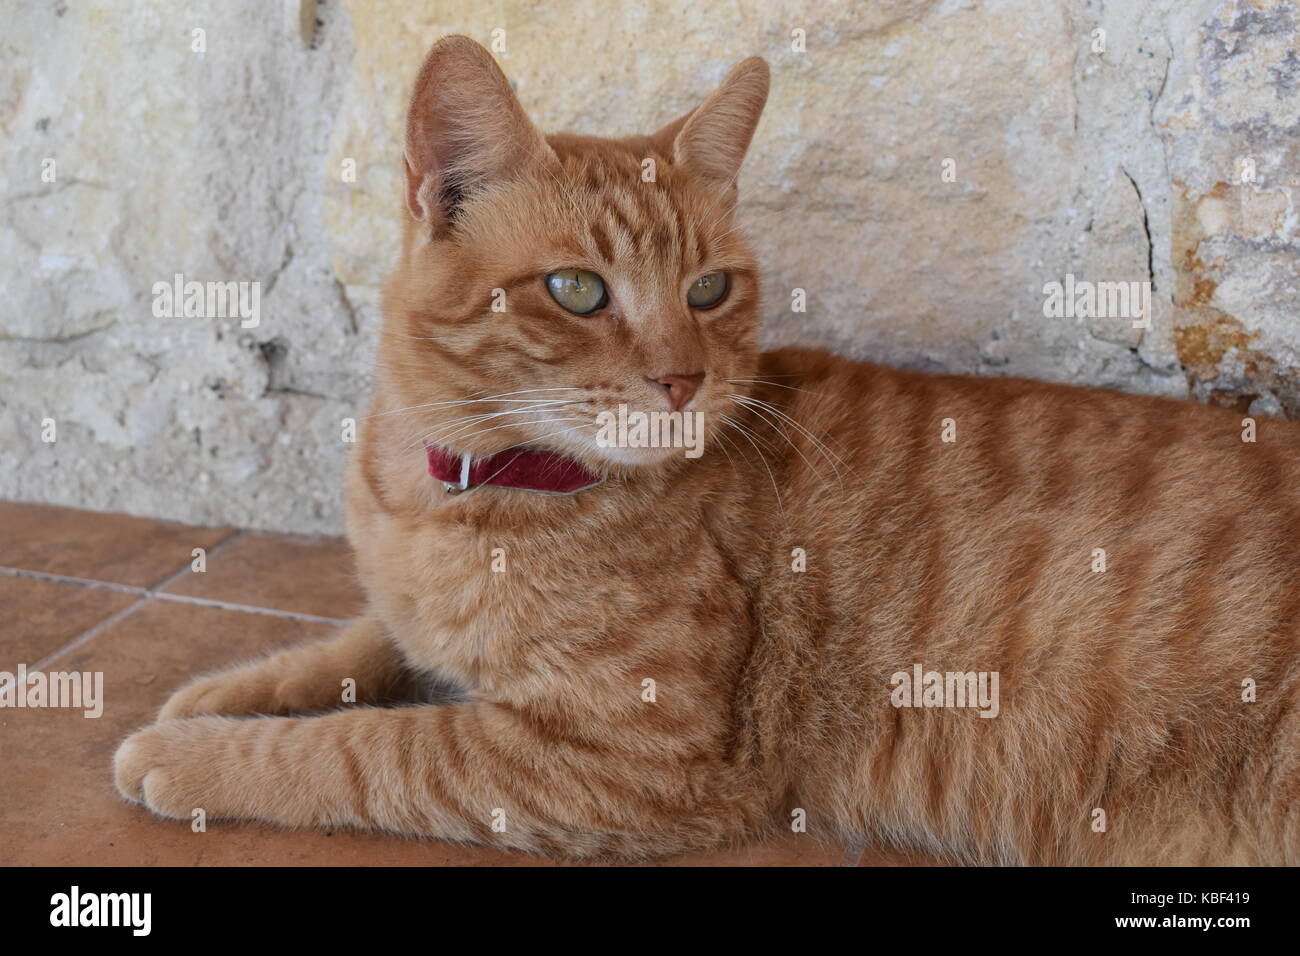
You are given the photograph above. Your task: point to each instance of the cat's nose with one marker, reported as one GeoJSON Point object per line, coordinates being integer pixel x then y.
{"type": "Point", "coordinates": [680, 388]}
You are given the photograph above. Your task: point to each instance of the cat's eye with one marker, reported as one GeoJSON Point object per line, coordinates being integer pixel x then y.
{"type": "Point", "coordinates": [579, 291]}
{"type": "Point", "coordinates": [707, 290]}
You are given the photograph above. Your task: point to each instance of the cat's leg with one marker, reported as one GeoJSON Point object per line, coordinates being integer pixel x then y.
{"type": "Point", "coordinates": [305, 678]}
{"type": "Point", "coordinates": [480, 772]}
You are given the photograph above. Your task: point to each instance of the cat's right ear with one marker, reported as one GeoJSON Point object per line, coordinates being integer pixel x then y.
{"type": "Point", "coordinates": [465, 131]}
{"type": "Point", "coordinates": [712, 139]}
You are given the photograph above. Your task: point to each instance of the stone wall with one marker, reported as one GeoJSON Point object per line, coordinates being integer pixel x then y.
{"type": "Point", "coordinates": [924, 168]}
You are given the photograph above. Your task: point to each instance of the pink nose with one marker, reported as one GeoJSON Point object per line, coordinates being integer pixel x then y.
{"type": "Point", "coordinates": [680, 388]}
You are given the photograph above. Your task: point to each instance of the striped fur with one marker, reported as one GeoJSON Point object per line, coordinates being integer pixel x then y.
{"type": "Point", "coordinates": [1121, 690]}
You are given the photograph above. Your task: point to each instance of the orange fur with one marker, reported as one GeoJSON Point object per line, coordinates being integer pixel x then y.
{"type": "Point", "coordinates": [1120, 690]}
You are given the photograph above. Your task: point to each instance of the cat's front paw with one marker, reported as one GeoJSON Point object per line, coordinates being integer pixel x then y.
{"type": "Point", "coordinates": [239, 692]}
{"type": "Point", "coordinates": [168, 767]}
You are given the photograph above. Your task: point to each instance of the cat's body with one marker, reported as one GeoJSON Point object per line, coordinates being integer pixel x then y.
{"type": "Point", "coordinates": [699, 651]}
{"type": "Point", "coordinates": [1120, 690]}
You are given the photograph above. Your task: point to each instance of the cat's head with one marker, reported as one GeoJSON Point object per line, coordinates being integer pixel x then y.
{"type": "Point", "coordinates": [552, 278]}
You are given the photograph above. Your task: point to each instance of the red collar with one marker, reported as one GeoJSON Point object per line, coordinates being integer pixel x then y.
{"type": "Point", "coordinates": [512, 468]}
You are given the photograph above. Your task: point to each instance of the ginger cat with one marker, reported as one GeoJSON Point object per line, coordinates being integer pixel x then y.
{"type": "Point", "coordinates": [692, 652]}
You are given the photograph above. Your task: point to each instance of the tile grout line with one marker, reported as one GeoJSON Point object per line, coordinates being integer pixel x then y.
{"type": "Point", "coordinates": [207, 553]}
{"type": "Point", "coordinates": [247, 608]}
{"type": "Point", "coordinates": [69, 579]}
{"type": "Point", "coordinates": [144, 595]}
{"type": "Point", "coordinates": [89, 634]}
{"type": "Point", "coordinates": [112, 585]}
{"type": "Point", "coordinates": [147, 593]}
{"type": "Point", "coordinates": [219, 546]}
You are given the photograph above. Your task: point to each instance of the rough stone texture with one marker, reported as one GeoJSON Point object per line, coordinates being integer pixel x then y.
{"type": "Point", "coordinates": [1234, 236]}
{"type": "Point", "coordinates": [1171, 156]}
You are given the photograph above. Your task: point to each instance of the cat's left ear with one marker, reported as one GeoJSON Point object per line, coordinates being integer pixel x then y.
{"type": "Point", "coordinates": [465, 131]}
{"type": "Point", "coordinates": [711, 140]}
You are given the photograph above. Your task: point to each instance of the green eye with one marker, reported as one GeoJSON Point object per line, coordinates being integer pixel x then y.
{"type": "Point", "coordinates": [579, 291]}
{"type": "Point", "coordinates": [707, 290]}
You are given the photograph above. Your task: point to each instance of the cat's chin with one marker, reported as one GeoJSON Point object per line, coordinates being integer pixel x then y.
{"type": "Point", "coordinates": [640, 457]}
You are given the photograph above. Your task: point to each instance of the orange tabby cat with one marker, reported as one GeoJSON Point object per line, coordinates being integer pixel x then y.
{"type": "Point", "coordinates": [700, 650]}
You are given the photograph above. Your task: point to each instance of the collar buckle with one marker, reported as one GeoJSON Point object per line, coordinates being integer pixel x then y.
{"type": "Point", "coordinates": [464, 485]}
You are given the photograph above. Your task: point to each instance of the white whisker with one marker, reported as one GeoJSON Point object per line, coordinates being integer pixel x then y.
{"type": "Point", "coordinates": [548, 421]}
{"type": "Point", "coordinates": [499, 397]}
{"type": "Point", "coordinates": [468, 421]}
{"type": "Point", "coordinates": [760, 407]}
{"type": "Point", "coordinates": [772, 478]}
{"type": "Point", "coordinates": [776, 426]}
{"type": "Point", "coordinates": [763, 381]}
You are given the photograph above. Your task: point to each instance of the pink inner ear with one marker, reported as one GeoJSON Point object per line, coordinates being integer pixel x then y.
{"type": "Point", "coordinates": [714, 137]}
{"type": "Point", "coordinates": [413, 182]}
{"type": "Point", "coordinates": [464, 127]}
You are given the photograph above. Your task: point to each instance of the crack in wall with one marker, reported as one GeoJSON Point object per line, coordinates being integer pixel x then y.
{"type": "Point", "coordinates": [349, 310]}
{"type": "Point", "coordinates": [67, 339]}
{"type": "Point", "coordinates": [1146, 229]}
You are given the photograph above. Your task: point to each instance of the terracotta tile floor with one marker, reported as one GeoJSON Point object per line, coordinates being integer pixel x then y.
{"type": "Point", "coordinates": [83, 591]}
